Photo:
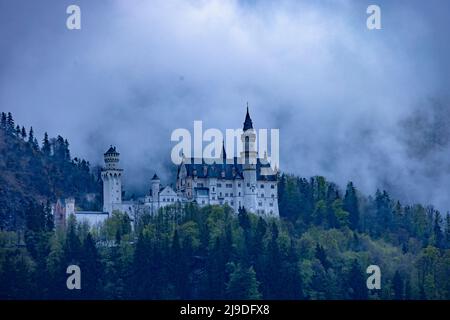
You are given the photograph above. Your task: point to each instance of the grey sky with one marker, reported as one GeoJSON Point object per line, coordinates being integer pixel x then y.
{"type": "Point", "coordinates": [351, 104]}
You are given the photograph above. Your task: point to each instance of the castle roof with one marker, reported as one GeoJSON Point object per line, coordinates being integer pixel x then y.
{"type": "Point", "coordinates": [111, 150]}
{"type": "Point", "coordinates": [248, 124]}
{"type": "Point", "coordinates": [155, 177]}
{"type": "Point", "coordinates": [231, 170]}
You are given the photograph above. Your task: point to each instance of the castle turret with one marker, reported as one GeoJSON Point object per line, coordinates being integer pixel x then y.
{"type": "Point", "coordinates": [156, 182]}
{"type": "Point", "coordinates": [70, 206]}
{"type": "Point", "coordinates": [249, 157]}
{"type": "Point", "coordinates": [112, 181]}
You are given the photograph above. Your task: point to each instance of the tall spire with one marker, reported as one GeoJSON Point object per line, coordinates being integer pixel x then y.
{"type": "Point", "coordinates": [224, 153]}
{"type": "Point", "coordinates": [248, 124]}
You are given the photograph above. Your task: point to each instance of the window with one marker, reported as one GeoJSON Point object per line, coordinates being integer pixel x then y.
{"type": "Point", "coordinates": [260, 204]}
{"type": "Point", "coordinates": [219, 185]}
{"type": "Point", "coordinates": [262, 186]}
{"type": "Point", "coordinates": [239, 194]}
{"type": "Point", "coordinates": [231, 194]}
{"type": "Point", "coordinates": [239, 185]}
{"type": "Point", "coordinates": [272, 186]}
{"type": "Point", "coordinates": [226, 194]}
{"type": "Point", "coordinates": [262, 195]}
{"type": "Point", "coordinates": [203, 201]}
{"type": "Point", "coordinates": [214, 198]}
{"type": "Point", "coordinates": [271, 204]}
{"type": "Point", "coordinates": [232, 203]}
{"type": "Point", "coordinates": [200, 185]}
{"type": "Point", "coordinates": [229, 185]}
{"type": "Point", "coordinates": [213, 189]}
{"type": "Point", "coordinates": [220, 194]}
{"type": "Point", "coordinates": [248, 184]}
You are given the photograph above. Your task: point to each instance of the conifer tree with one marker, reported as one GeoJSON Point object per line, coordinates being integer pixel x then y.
{"type": "Point", "coordinates": [3, 121]}
{"type": "Point", "coordinates": [447, 230]}
{"type": "Point", "coordinates": [31, 136]}
{"type": "Point", "coordinates": [10, 123]}
{"type": "Point", "coordinates": [243, 284]}
{"type": "Point", "coordinates": [46, 149]}
{"type": "Point", "coordinates": [92, 269]}
{"type": "Point", "coordinates": [351, 206]}
{"type": "Point", "coordinates": [356, 282]}
{"type": "Point", "coordinates": [23, 133]}
{"type": "Point", "coordinates": [398, 286]}
{"type": "Point", "coordinates": [437, 230]}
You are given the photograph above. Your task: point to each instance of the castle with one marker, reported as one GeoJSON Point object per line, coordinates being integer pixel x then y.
{"type": "Point", "coordinates": [246, 182]}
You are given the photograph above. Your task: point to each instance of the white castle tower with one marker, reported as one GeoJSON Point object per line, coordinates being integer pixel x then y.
{"type": "Point", "coordinates": [249, 157]}
{"type": "Point", "coordinates": [155, 187]}
{"type": "Point", "coordinates": [112, 181]}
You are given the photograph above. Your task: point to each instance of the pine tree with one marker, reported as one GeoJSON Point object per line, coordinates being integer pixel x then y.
{"type": "Point", "coordinates": [3, 121]}
{"type": "Point", "coordinates": [398, 286]}
{"type": "Point", "coordinates": [351, 206]}
{"type": "Point", "coordinates": [384, 212]}
{"type": "Point", "coordinates": [447, 230]}
{"type": "Point", "coordinates": [49, 219]}
{"type": "Point", "coordinates": [92, 269]}
{"type": "Point", "coordinates": [142, 281]}
{"type": "Point", "coordinates": [357, 282]}
{"type": "Point", "coordinates": [66, 150]}
{"type": "Point", "coordinates": [10, 123]}
{"type": "Point", "coordinates": [437, 230]}
{"type": "Point", "coordinates": [17, 132]}
{"type": "Point", "coordinates": [46, 149]}
{"type": "Point", "coordinates": [23, 133]}
{"type": "Point", "coordinates": [178, 268]}
{"type": "Point", "coordinates": [35, 144]}
{"type": "Point", "coordinates": [31, 136]}
{"type": "Point", "coordinates": [322, 256]}
{"type": "Point", "coordinates": [72, 246]}
{"type": "Point", "coordinates": [243, 284]}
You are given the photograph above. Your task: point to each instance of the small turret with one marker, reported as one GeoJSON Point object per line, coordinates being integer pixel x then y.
{"type": "Point", "coordinates": [111, 158]}
{"type": "Point", "coordinates": [156, 182]}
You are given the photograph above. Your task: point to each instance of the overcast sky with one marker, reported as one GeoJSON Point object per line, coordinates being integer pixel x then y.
{"type": "Point", "coordinates": [350, 103]}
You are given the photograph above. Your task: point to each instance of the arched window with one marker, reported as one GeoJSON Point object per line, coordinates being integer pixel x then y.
{"type": "Point", "coordinates": [247, 143]}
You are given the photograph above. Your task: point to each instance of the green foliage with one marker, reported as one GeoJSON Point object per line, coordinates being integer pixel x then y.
{"type": "Point", "coordinates": [243, 284]}
{"type": "Point", "coordinates": [116, 227]}
{"type": "Point", "coordinates": [210, 253]}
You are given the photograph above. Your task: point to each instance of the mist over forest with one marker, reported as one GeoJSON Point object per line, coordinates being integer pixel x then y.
{"type": "Point", "coordinates": [351, 104]}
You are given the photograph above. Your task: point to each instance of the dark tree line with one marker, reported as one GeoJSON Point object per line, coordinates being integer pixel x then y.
{"type": "Point", "coordinates": [210, 253]}
{"type": "Point", "coordinates": [317, 202]}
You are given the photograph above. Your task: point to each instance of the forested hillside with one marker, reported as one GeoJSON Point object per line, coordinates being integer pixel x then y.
{"type": "Point", "coordinates": [319, 249]}
{"type": "Point", "coordinates": [210, 253]}
{"type": "Point", "coordinates": [32, 173]}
